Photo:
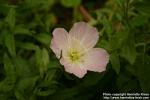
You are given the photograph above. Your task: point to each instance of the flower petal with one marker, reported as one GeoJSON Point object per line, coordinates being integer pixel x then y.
{"type": "Point", "coordinates": [75, 69]}
{"type": "Point", "coordinates": [97, 60]}
{"type": "Point", "coordinates": [59, 41]}
{"type": "Point", "coordinates": [85, 33]}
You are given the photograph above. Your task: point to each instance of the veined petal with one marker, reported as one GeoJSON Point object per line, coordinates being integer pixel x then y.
{"type": "Point", "coordinates": [59, 41]}
{"type": "Point", "coordinates": [75, 69]}
{"type": "Point", "coordinates": [85, 33]}
{"type": "Point", "coordinates": [97, 60]}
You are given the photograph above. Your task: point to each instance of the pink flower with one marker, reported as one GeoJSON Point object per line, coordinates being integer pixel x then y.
{"type": "Point", "coordinates": [75, 49]}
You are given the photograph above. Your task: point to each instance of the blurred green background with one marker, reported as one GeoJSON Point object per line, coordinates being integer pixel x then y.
{"type": "Point", "coordinates": [29, 70]}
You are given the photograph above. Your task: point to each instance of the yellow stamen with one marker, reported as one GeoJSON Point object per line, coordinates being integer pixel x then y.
{"type": "Point", "coordinates": [74, 56]}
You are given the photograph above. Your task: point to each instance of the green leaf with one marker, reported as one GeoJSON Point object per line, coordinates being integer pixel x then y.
{"type": "Point", "coordinates": [45, 57]}
{"type": "Point", "coordinates": [107, 26]}
{"type": "Point", "coordinates": [114, 58]}
{"type": "Point", "coordinates": [27, 83]}
{"type": "Point", "coordinates": [40, 4]}
{"type": "Point", "coordinates": [65, 94]}
{"type": "Point", "coordinates": [50, 76]}
{"type": "Point", "coordinates": [7, 85]}
{"type": "Point", "coordinates": [48, 85]}
{"type": "Point", "coordinates": [26, 46]}
{"type": "Point", "coordinates": [22, 67]}
{"type": "Point", "coordinates": [70, 3]}
{"type": "Point", "coordinates": [50, 21]}
{"type": "Point", "coordinates": [43, 38]}
{"type": "Point", "coordinates": [42, 60]}
{"type": "Point", "coordinates": [139, 20]}
{"type": "Point", "coordinates": [117, 40]}
{"type": "Point", "coordinates": [25, 87]}
{"type": "Point", "coordinates": [126, 83]}
{"type": "Point", "coordinates": [9, 67]}
{"type": "Point", "coordinates": [3, 96]}
{"type": "Point", "coordinates": [47, 4]}
{"type": "Point", "coordinates": [120, 2]}
{"type": "Point", "coordinates": [10, 43]}
{"type": "Point", "coordinates": [142, 70]}
{"type": "Point", "coordinates": [46, 92]}
{"type": "Point", "coordinates": [104, 44]}
{"type": "Point", "coordinates": [10, 19]}
{"type": "Point", "coordinates": [38, 56]}
{"type": "Point", "coordinates": [19, 95]}
{"type": "Point", "coordinates": [143, 7]}
{"type": "Point", "coordinates": [4, 8]}
{"type": "Point", "coordinates": [22, 30]}
{"type": "Point", "coordinates": [1, 24]}
{"type": "Point", "coordinates": [2, 37]}
{"type": "Point", "coordinates": [89, 80]}
{"type": "Point", "coordinates": [128, 51]}
{"type": "Point", "coordinates": [54, 64]}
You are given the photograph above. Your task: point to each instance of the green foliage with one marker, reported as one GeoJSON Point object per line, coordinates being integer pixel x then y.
{"type": "Point", "coordinates": [29, 70]}
{"type": "Point", "coordinates": [8, 83]}
{"type": "Point", "coordinates": [42, 59]}
{"type": "Point", "coordinates": [10, 19]}
{"type": "Point", "coordinates": [70, 3]}
{"type": "Point", "coordinates": [43, 38]}
{"type": "Point", "coordinates": [10, 43]}
{"type": "Point", "coordinates": [39, 4]}
{"type": "Point", "coordinates": [115, 61]}
{"type": "Point", "coordinates": [128, 51]}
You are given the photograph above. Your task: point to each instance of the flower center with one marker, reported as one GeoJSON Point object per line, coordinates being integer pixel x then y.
{"type": "Point", "coordinates": [74, 56]}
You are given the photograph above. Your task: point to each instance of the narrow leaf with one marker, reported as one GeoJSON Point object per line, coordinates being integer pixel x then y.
{"type": "Point", "coordinates": [10, 43]}
{"type": "Point", "coordinates": [10, 19]}
{"type": "Point", "coordinates": [114, 58]}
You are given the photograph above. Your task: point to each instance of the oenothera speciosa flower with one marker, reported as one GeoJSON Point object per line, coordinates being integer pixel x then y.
{"type": "Point", "coordinates": [75, 49]}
